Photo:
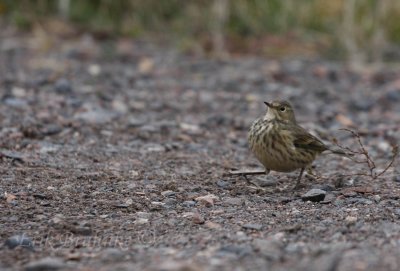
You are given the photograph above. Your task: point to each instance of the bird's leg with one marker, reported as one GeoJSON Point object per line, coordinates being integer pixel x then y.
{"type": "Point", "coordinates": [298, 179]}
{"type": "Point", "coordinates": [266, 172]}
{"type": "Point", "coordinates": [245, 173]}
{"type": "Point", "coordinates": [312, 174]}
{"type": "Point", "coordinates": [247, 180]}
{"type": "Point", "coordinates": [310, 171]}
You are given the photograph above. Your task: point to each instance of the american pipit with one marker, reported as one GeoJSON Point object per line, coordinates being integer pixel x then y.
{"type": "Point", "coordinates": [280, 144]}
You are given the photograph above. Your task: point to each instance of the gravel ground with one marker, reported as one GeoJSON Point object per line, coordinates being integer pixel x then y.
{"type": "Point", "coordinates": [114, 156]}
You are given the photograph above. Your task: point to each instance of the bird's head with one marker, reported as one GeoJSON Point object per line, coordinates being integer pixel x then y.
{"type": "Point", "coordinates": [280, 110]}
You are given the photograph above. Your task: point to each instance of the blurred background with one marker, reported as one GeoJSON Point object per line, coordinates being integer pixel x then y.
{"type": "Point", "coordinates": [358, 31]}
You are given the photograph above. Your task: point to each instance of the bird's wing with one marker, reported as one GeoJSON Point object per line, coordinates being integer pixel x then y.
{"type": "Point", "coordinates": [304, 140]}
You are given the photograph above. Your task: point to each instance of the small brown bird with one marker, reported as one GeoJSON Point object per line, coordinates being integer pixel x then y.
{"type": "Point", "coordinates": [280, 144]}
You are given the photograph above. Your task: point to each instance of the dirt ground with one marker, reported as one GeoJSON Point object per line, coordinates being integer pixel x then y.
{"type": "Point", "coordinates": [114, 156]}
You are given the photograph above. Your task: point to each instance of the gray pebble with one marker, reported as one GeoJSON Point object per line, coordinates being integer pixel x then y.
{"type": "Point", "coordinates": [19, 241]}
{"type": "Point", "coordinates": [233, 201]}
{"type": "Point", "coordinates": [265, 181]}
{"type": "Point", "coordinates": [222, 184]}
{"type": "Point", "coordinates": [252, 226]}
{"type": "Point", "coordinates": [63, 85]}
{"type": "Point", "coordinates": [189, 203]}
{"type": "Point", "coordinates": [168, 193]}
{"type": "Point", "coordinates": [314, 195]}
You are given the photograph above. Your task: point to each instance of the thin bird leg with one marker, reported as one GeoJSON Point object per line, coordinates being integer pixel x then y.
{"type": "Point", "coordinates": [244, 174]}
{"type": "Point", "coordinates": [312, 174]}
{"type": "Point", "coordinates": [266, 172]}
{"type": "Point", "coordinates": [247, 180]}
{"type": "Point", "coordinates": [298, 179]}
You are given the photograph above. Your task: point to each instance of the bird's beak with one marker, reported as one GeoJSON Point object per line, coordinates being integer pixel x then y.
{"type": "Point", "coordinates": [268, 104]}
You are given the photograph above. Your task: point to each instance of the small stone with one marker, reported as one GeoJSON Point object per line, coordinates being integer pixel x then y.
{"type": "Point", "coordinates": [18, 92]}
{"type": "Point", "coordinates": [356, 200]}
{"type": "Point", "coordinates": [121, 205]}
{"type": "Point", "coordinates": [265, 181]}
{"type": "Point", "coordinates": [58, 219]}
{"type": "Point", "coordinates": [46, 264]}
{"type": "Point", "coordinates": [40, 196]}
{"type": "Point", "coordinates": [19, 241]}
{"type": "Point", "coordinates": [66, 188]}
{"type": "Point", "coordinates": [96, 116]}
{"type": "Point", "coordinates": [190, 128]}
{"type": "Point", "coordinates": [129, 202]}
{"type": "Point", "coordinates": [252, 226]}
{"type": "Point", "coordinates": [146, 65]}
{"type": "Point", "coordinates": [46, 147]}
{"type": "Point", "coordinates": [350, 220]}
{"type": "Point", "coordinates": [396, 179]}
{"type": "Point", "coordinates": [233, 201]}
{"type": "Point", "coordinates": [157, 203]}
{"type": "Point", "coordinates": [207, 200]}
{"type": "Point", "coordinates": [83, 228]}
{"type": "Point", "coordinates": [63, 85]}
{"type": "Point", "coordinates": [14, 155]}
{"type": "Point", "coordinates": [222, 184]}
{"type": "Point", "coordinates": [168, 193]}
{"type": "Point", "coordinates": [141, 221]}
{"type": "Point", "coordinates": [325, 187]}
{"type": "Point", "coordinates": [10, 197]}
{"type": "Point", "coordinates": [15, 102]}
{"type": "Point", "coordinates": [293, 228]}
{"type": "Point", "coordinates": [170, 202]}
{"type": "Point", "coordinates": [143, 215]}
{"type": "Point", "coordinates": [339, 202]}
{"type": "Point", "coordinates": [212, 225]}
{"type": "Point", "coordinates": [189, 203]}
{"type": "Point", "coordinates": [131, 185]}
{"type": "Point", "coordinates": [384, 146]}
{"type": "Point", "coordinates": [51, 129]}
{"type": "Point", "coordinates": [152, 147]}
{"type": "Point", "coordinates": [314, 195]}
{"type": "Point", "coordinates": [329, 198]}
{"type": "Point", "coordinates": [119, 106]}
{"type": "Point", "coordinates": [94, 70]}
{"type": "Point", "coordinates": [363, 104]}
{"type": "Point", "coordinates": [397, 212]}
{"type": "Point", "coordinates": [197, 218]}
{"type": "Point", "coordinates": [377, 198]}
{"type": "Point", "coordinates": [135, 122]}
{"type": "Point", "coordinates": [349, 193]}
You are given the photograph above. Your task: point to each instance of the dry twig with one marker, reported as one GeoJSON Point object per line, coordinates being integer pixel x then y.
{"type": "Point", "coordinates": [373, 174]}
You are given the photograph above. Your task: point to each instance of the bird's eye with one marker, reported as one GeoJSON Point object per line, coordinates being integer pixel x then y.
{"type": "Point", "coordinates": [283, 109]}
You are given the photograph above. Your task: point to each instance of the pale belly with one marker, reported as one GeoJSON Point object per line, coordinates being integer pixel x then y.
{"type": "Point", "coordinates": [273, 161]}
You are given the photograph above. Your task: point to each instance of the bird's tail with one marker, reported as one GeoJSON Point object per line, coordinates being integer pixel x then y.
{"type": "Point", "coordinates": [340, 152]}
